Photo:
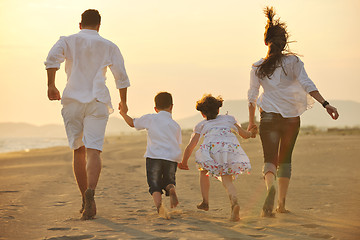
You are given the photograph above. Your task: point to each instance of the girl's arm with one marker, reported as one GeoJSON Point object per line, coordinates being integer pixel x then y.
{"type": "Point", "coordinates": [246, 134]}
{"type": "Point", "coordinates": [188, 150]}
{"type": "Point", "coordinates": [332, 111]}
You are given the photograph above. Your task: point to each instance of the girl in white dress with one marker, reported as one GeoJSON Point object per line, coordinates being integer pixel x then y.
{"type": "Point", "coordinates": [220, 154]}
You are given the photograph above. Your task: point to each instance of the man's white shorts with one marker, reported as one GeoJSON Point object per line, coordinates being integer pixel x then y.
{"type": "Point", "coordinates": [85, 123]}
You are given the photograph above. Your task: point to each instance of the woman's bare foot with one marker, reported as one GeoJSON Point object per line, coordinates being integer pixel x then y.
{"type": "Point", "coordinates": [235, 209]}
{"type": "Point", "coordinates": [269, 203]}
{"type": "Point", "coordinates": [173, 197]}
{"type": "Point", "coordinates": [90, 206]}
{"type": "Point", "coordinates": [203, 206]}
{"type": "Point", "coordinates": [282, 210]}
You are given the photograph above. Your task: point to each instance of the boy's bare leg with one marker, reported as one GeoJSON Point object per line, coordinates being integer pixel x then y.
{"type": "Point", "coordinates": [283, 187]}
{"type": "Point", "coordinates": [173, 197]}
{"type": "Point", "coordinates": [93, 169]}
{"type": "Point", "coordinates": [159, 206]}
{"type": "Point", "coordinates": [231, 191]}
{"type": "Point", "coordinates": [79, 167]}
{"type": "Point", "coordinates": [205, 188]}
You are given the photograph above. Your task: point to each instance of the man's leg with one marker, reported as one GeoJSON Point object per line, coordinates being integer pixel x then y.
{"type": "Point", "coordinates": [79, 167]}
{"type": "Point", "coordinates": [93, 167]}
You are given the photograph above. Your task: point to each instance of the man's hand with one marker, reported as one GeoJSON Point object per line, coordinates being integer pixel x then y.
{"type": "Point", "coordinates": [53, 93]}
{"type": "Point", "coordinates": [123, 108]}
{"type": "Point", "coordinates": [183, 166]}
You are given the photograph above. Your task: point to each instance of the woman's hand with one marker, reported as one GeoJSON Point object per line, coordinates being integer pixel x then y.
{"type": "Point", "coordinates": [332, 111]}
{"type": "Point", "coordinates": [253, 129]}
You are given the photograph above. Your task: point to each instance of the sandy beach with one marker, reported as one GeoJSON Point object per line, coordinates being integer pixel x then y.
{"type": "Point", "coordinates": [39, 198]}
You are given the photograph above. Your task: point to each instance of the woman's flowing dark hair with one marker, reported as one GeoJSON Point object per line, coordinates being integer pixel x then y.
{"type": "Point", "coordinates": [276, 37]}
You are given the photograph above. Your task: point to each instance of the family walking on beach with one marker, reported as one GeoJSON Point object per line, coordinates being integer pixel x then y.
{"type": "Point", "coordinates": [287, 93]}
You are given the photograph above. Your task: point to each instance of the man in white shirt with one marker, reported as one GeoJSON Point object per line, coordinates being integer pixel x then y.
{"type": "Point", "coordinates": [86, 99]}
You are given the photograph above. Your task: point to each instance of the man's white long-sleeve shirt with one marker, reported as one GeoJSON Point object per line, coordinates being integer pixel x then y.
{"type": "Point", "coordinates": [87, 56]}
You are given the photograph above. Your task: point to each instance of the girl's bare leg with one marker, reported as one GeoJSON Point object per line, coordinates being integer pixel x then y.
{"type": "Point", "coordinates": [231, 190]}
{"type": "Point", "coordinates": [204, 187]}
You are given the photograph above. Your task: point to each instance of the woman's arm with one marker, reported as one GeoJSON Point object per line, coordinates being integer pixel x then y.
{"type": "Point", "coordinates": [188, 150]}
{"type": "Point", "coordinates": [332, 111]}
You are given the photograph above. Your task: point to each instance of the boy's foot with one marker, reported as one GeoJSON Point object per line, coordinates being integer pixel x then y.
{"type": "Point", "coordinates": [203, 206]}
{"type": "Point", "coordinates": [269, 203]}
{"type": "Point", "coordinates": [235, 209]}
{"type": "Point", "coordinates": [90, 206]}
{"type": "Point", "coordinates": [173, 197]}
{"type": "Point", "coordinates": [163, 212]}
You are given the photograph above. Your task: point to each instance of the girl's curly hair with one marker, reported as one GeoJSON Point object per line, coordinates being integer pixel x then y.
{"type": "Point", "coordinates": [209, 106]}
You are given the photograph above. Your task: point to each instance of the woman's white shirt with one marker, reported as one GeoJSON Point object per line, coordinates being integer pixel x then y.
{"type": "Point", "coordinates": [286, 91]}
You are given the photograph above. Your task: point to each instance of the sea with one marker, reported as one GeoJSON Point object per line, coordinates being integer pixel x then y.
{"type": "Point", "coordinates": [27, 144]}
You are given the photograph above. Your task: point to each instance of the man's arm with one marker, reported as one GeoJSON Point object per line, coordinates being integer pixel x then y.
{"type": "Point", "coordinates": [53, 92]}
{"type": "Point", "coordinates": [123, 96]}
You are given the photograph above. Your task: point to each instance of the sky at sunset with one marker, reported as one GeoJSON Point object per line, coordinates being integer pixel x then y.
{"type": "Point", "coordinates": [187, 48]}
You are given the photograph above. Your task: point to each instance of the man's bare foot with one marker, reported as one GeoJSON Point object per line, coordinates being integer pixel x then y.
{"type": "Point", "coordinates": [163, 212]}
{"type": "Point", "coordinates": [235, 209]}
{"type": "Point", "coordinates": [203, 206]}
{"type": "Point", "coordinates": [269, 203]}
{"type": "Point", "coordinates": [90, 206]}
{"type": "Point", "coordinates": [82, 205]}
{"type": "Point", "coordinates": [173, 197]}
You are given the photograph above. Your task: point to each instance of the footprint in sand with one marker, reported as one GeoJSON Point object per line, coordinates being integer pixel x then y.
{"type": "Point", "coordinates": [60, 204]}
{"type": "Point", "coordinates": [321, 235]}
{"type": "Point", "coordinates": [163, 230]}
{"type": "Point", "coordinates": [8, 191]}
{"type": "Point", "coordinates": [76, 237]}
{"type": "Point", "coordinates": [195, 229]}
{"type": "Point", "coordinates": [59, 229]}
{"type": "Point", "coordinates": [310, 225]}
{"type": "Point", "coordinates": [257, 235]}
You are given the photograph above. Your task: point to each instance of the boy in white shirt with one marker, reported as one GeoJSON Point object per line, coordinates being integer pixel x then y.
{"type": "Point", "coordinates": [163, 149]}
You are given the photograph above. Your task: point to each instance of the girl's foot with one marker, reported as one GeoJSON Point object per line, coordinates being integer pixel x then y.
{"type": "Point", "coordinates": [203, 206]}
{"type": "Point", "coordinates": [173, 197]}
{"type": "Point", "coordinates": [235, 209]}
{"type": "Point", "coordinates": [269, 203]}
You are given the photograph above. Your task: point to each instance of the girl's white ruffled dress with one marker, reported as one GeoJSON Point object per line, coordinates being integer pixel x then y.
{"type": "Point", "coordinates": [220, 153]}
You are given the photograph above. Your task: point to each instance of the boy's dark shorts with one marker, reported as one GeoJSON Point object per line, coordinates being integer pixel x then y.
{"type": "Point", "coordinates": [160, 173]}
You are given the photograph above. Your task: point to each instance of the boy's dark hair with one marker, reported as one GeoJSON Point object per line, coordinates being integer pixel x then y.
{"type": "Point", "coordinates": [163, 100]}
{"type": "Point", "coordinates": [90, 17]}
{"type": "Point", "coordinates": [209, 106]}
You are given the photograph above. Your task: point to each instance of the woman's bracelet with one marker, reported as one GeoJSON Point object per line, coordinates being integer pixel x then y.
{"type": "Point", "coordinates": [325, 103]}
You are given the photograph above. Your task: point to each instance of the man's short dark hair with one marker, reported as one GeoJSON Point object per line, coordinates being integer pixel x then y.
{"type": "Point", "coordinates": [90, 17]}
{"type": "Point", "coordinates": [163, 100]}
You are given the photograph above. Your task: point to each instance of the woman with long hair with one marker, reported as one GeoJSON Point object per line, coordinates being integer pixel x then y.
{"type": "Point", "coordinates": [287, 93]}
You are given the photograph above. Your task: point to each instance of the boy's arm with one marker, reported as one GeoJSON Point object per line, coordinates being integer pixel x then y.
{"type": "Point", "coordinates": [188, 150]}
{"type": "Point", "coordinates": [127, 118]}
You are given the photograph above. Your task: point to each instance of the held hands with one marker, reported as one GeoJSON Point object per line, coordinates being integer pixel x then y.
{"type": "Point", "coordinates": [253, 129]}
{"type": "Point", "coordinates": [123, 108]}
{"type": "Point", "coordinates": [183, 166]}
{"type": "Point", "coordinates": [332, 111]}
{"type": "Point", "coordinates": [53, 93]}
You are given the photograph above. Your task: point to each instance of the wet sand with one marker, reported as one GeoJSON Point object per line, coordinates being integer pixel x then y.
{"type": "Point", "coordinates": [39, 198]}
